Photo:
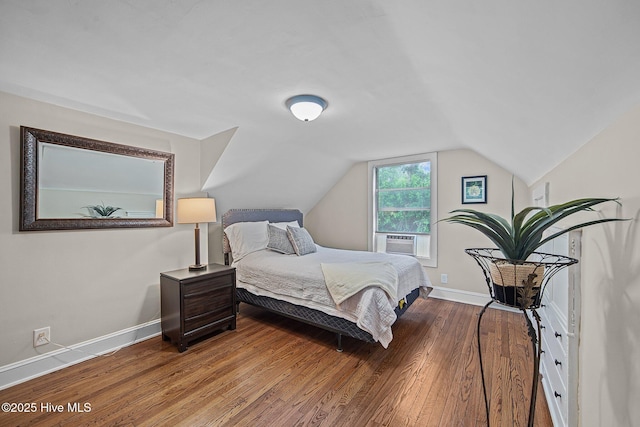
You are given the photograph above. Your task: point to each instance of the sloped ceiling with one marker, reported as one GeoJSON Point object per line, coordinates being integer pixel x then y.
{"type": "Point", "coordinates": [524, 83]}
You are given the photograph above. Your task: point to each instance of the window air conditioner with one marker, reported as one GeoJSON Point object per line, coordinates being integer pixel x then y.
{"type": "Point", "coordinates": [398, 244]}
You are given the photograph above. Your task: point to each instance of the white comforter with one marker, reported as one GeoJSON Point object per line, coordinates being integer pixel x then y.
{"type": "Point", "coordinates": [300, 280]}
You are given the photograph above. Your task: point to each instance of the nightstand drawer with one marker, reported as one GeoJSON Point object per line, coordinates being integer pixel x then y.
{"type": "Point", "coordinates": [206, 319]}
{"type": "Point", "coordinates": [207, 285]}
{"type": "Point", "coordinates": [210, 300]}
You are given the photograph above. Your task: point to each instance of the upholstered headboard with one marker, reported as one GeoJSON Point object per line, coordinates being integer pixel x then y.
{"type": "Point", "coordinates": [251, 215]}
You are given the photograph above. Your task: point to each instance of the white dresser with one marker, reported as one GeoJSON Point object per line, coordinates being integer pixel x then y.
{"type": "Point", "coordinates": [560, 320]}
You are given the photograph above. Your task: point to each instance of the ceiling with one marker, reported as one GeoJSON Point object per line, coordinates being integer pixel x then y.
{"type": "Point", "coordinates": [524, 83]}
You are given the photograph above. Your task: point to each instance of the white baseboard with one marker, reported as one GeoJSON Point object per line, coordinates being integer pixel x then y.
{"type": "Point", "coordinates": [466, 297]}
{"type": "Point", "coordinates": [458, 295]}
{"type": "Point", "coordinates": [37, 366]}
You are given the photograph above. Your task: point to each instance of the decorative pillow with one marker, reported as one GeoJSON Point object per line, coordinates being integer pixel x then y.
{"type": "Point", "coordinates": [279, 240]}
{"type": "Point", "coordinates": [247, 237]}
{"type": "Point", "coordinates": [301, 240]}
{"type": "Point", "coordinates": [283, 225]}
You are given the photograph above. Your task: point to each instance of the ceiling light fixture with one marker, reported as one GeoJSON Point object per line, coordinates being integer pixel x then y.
{"type": "Point", "coordinates": [306, 107]}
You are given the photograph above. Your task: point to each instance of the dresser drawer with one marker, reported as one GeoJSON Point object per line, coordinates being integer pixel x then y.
{"type": "Point", "coordinates": [557, 397]}
{"type": "Point", "coordinates": [556, 359]}
{"type": "Point", "coordinates": [557, 327]}
{"type": "Point", "coordinates": [207, 319]}
{"type": "Point", "coordinates": [211, 299]}
{"type": "Point", "coordinates": [206, 285]}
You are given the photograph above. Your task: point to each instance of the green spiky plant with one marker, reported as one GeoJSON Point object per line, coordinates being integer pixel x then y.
{"type": "Point", "coordinates": [519, 238]}
{"type": "Point", "coordinates": [102, 210]}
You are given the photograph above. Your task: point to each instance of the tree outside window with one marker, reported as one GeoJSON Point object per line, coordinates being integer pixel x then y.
{"type": "Point", "coordinates": [403, 198]}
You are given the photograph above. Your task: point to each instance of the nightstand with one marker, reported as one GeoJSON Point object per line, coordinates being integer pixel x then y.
{"type": "Point", "coordinates": [197, 303]}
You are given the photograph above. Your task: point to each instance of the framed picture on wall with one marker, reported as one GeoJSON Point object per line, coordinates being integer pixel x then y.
{"type": "Point", "coordinates": [474, 189]}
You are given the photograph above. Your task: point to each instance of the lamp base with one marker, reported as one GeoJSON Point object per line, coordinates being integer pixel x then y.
{"type": "Point", "coordinates": [196, 267]}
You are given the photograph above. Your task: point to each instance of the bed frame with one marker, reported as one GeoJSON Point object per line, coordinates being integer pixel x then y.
{"type": "Point", "coordinates": [303, 314]}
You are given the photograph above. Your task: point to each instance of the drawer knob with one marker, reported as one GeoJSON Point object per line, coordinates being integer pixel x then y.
{"type": "Point", "coordinates": [558, 362]}
{"type": "Point", "coordinates": [543, 327]}
{"type": "Point", "coordinates": [558, 335]}
{"type": "Point", "coordinates": [556, 394]}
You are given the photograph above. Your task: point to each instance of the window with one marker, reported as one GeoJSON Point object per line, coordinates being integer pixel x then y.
{"type": "Point", "coordinates": [402, 205]}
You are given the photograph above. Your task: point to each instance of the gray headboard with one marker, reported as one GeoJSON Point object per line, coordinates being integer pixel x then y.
{"type": "Point", "coordinates": [250, 215]}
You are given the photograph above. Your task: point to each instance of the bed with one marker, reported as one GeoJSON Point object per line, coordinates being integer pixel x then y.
{"type": "Point", "coordinates": [309, 287]}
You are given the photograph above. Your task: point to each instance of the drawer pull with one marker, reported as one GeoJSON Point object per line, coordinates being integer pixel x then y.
{"type": "Point", "coordinates": [558, 335]}
{"type": "Point", "coordinates": [543, 327]}
{"type": "Point", "coordinates": [558, 362]}
{"type": "Point", "coordinates": [556, 394]}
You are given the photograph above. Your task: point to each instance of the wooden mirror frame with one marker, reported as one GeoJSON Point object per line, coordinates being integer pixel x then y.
{"type": "Point", "coordinates": [29, 220]}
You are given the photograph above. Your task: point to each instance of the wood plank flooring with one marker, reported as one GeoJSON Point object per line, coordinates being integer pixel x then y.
{"type": "Point", "coordinates": [273, 371]}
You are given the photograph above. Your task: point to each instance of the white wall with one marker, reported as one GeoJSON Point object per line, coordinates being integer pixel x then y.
{"type": "Point", "coordinates": [608, 166]}
{"type": "Point", "coordinates": [340, 218]}
{"type": "Point", "coordinates": [83, 283]}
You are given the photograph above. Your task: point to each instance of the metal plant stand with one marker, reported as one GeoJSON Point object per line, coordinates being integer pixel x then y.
{"type": "Point", "coordinates": [520, 285]}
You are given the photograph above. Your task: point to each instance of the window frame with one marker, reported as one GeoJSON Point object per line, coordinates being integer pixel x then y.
{"type": "Point", "coordinates": [432, 260]}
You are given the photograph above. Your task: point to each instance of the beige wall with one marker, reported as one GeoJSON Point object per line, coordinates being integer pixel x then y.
{"type": "Point", "coordinates": [608, 166]}
{"type": "Point", "coordinates": [86, 283]}
{"type": "Point", "coordinates": [340, 218]}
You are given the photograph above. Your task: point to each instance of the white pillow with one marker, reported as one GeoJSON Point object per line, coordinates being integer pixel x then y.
{"type": "Point", "coordinates": [247, 237]}
{"type": "Point", "coordinates": [283, 225]}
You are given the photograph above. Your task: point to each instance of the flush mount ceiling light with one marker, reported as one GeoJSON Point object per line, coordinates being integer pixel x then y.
{"type": "Point", "coordinates": [306, 107]}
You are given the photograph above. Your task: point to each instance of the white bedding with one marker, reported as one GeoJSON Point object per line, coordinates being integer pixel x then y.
{"type": "Point", "coordinates": [345, 279]}
{"type": "Point", "coordinates": [300, 280]}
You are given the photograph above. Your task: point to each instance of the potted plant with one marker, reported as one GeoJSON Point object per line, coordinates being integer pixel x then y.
{"type": "Point", "coordinates": [101, 211]}
{"type": "Point", "coordinates": [517, 241]}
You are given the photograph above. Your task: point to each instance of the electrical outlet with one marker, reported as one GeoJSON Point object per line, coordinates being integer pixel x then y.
{"type": "Point", "coordinates": [41, 336]}
{"type": "Point", "coordinates": [444, 278]}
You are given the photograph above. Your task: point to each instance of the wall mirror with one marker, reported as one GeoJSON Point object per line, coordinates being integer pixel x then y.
{"type": "Point", "coordinates": [70, 182]}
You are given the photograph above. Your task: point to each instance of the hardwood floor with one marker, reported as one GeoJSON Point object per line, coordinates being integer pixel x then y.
{"type": "Point", "coordinates": [272, 371]}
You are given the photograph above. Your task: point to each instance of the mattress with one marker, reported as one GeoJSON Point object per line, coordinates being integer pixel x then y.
{"type": "Point", "coordinates": [299, 280]}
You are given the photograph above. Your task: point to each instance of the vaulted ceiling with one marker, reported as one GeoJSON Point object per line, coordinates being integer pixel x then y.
{"type": "Point", "coordinates": [524, 83]}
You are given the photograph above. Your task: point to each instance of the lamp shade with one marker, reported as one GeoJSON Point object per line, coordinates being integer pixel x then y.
{"type": "Point", "coordinates": [159, 208]}
{"type": "Point", "coordinates": [306, 107]}
{"type": "Point", "coordinates": [196, 210]}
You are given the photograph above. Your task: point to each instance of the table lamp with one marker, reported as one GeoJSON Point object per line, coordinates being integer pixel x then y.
{"type": "Point", "coordinates": [194, 211]}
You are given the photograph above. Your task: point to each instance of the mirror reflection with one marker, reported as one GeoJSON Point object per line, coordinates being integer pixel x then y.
{"type": "Point", "coordinates": [77, 183]}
